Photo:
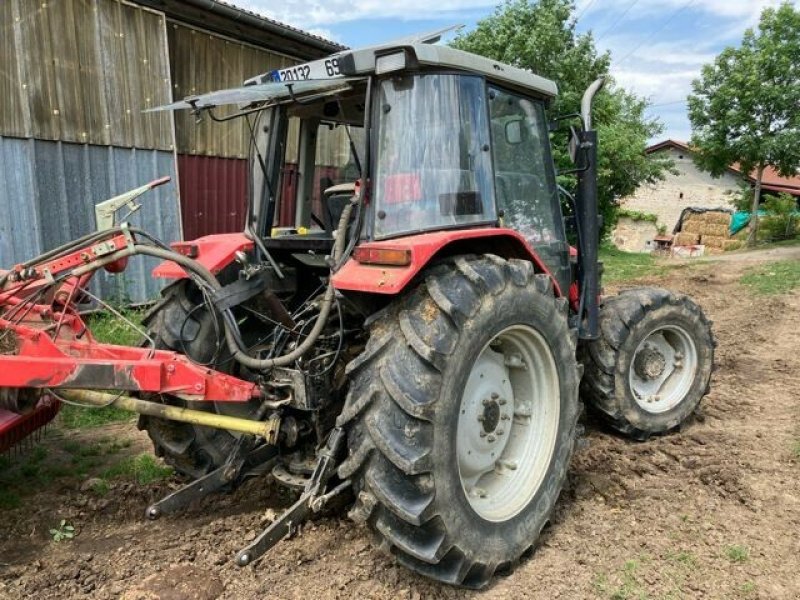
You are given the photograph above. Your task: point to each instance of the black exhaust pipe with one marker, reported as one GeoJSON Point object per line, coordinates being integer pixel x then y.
{"type": "Point", "coordinates": [588, 266]}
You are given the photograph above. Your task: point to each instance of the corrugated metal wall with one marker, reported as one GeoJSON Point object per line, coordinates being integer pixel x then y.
{"type": "Point", "coordinates": [52, 187]}
{"type": "Point", "coordinates": [83, 71]}
{"type": "Point", "coordinates": [75, 76]}
{"type": "Point", "coordinates": [214, 194]}
{"type": "Point", "coordinates": [212, 158]}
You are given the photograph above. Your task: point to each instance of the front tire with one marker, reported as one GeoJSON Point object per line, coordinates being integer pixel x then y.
{"type": "Point", "coordinates": [437, 493]}
{"type": "Point", "coordinates": [652, 364]}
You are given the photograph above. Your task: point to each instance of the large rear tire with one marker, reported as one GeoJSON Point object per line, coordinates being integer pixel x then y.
{"type": "Point", "coordinates": [461, 419]}
{"type": "Point", "coordinates": [652, 364]}
{"type": "Point", "coordinates": [179, 322]}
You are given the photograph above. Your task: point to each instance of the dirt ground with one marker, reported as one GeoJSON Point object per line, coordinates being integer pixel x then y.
{"type": "Point", "coordinates": [712, 511]}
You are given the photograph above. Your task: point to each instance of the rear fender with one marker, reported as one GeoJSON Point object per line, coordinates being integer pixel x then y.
{"type": "Point", "coordinates": [375, 278]}
{"type": "Point", "coordinates": [214, 252]}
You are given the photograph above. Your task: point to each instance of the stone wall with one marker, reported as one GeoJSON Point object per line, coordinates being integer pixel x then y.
{"type": "Point", "coordinates": [634, 236]}
{"type": "Point", "coordinates": [690, 187]}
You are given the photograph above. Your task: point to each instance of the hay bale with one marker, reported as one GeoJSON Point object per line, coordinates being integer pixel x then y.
{"type": "Point", "coordinates": [715, 229]}
{"type": "Point", "coordinates": [732, 245]}
{"type": "Point", "coordinates": [686, 239]}
{"type": "Point", "coordinates": [722, 218]}
{"type": "Point", "coordinates": [692, 225]}
{"type": "Point", "coordinates": [713, 241]}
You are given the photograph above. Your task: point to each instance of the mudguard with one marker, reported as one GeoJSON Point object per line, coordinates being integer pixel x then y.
{"type": "Point", "coordinates": [215, 252]}
{"type": "Point", "coordinates": [377, 278]}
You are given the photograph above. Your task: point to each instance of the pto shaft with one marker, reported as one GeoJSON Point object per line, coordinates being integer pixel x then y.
{"type": "Point", "coordinates": [267, 429]}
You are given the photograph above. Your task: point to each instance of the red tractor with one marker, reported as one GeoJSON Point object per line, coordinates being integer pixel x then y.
{"type": "Point", "coordinates": [420, 340]}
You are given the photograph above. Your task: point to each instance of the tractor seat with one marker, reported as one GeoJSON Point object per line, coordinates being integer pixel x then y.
{"type": "Point", "coordinates": [334, 199]}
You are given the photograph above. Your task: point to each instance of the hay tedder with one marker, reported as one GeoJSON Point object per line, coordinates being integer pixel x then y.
{"type": "Point", "coordinates": [413, 344]}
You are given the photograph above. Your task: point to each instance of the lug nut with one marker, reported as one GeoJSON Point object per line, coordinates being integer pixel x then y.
{"type": "Point", "coordinates": [486, 402]}
{"type": "Point", "coordinates": [495, 395]}
{"type": "Point", "coordinates": [504, 417]}
{"type": "Point", "coordinates": [502, 401]}
{"type": "Point", "coordinates": [499, 432]}
{"type": "Point", "coordinates": [483, 434]}
{"type": "Point", "coordinates": [491, 438]}
{"type": "Point", "coordinates": [481, 418]}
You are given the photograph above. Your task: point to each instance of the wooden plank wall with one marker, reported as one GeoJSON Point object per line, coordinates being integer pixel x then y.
{"type": "Point", "coordinates": [83, 71]}
{"type": "Point", "coordinates": [203, 62]}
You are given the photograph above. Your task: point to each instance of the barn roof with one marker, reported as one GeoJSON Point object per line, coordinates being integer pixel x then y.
{"type": "Point", "coordinates": [771, 179]}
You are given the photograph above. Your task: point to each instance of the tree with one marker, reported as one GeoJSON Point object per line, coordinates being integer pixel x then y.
{"type": "Point", "coordinates": [540, 36]}
{"type": "Point", "coordinates": [744, 106]}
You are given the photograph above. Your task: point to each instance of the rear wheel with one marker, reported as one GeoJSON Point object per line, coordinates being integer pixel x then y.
{"type": "Point", "coordinates": [182, 324]}
{"type": "Point", "coordinates": [652, 364]}
{"type": "Point", "coordinates": [461, 419]}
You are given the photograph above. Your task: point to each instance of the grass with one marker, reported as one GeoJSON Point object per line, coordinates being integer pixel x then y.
{"type": "Point", "coordinates": [629, 587]}
{"type": "Point", "coordinates": [737, 553]}
{"type": "Point", "coordinates": [143, 469]}
{"type": "Point", "coordinates": [108, 329]}
{"type": "Point", "coordinates": [773, 278]}
{"type": "Point", "coordinates": [796, 449]}
{"type": "Point", "coordinates": [76, 417]}
{"type": "Point", "coordinates": [619, 265]}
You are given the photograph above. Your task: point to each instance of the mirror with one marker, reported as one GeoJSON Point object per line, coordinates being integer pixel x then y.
{"type": "Point", "coordinates": [574, 144]}
{"type": "Point", "coordinates": [514, 132]}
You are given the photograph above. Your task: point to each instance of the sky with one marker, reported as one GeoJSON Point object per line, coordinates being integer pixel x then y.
{"type": "Point", "coordinates": [657, 46]}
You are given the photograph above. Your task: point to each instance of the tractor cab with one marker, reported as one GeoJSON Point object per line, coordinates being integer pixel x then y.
{"type": "Point", "coordinates": [427, 138]}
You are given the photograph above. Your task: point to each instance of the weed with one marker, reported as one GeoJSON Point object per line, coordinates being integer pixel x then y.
{"type": "Point", "coordinates": [143, 469]}
{"type": "Point", "coordinates": [685, 558]}
{"type": "Point", "coordinates": [100, 488]}
{"type": "Point", "coordinates": [748, 587]}
{"type": "Point", "coordinates": [737, 553]}
{"type": "Point", "coordinates": [773, 278]}
{"type": "Point", "coordinates": [64, 531]}
{"type": "Point", "coordinates": [796, 449]}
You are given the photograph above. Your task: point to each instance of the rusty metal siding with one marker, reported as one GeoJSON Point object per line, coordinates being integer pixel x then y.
{"type": "Point", "coordinates": [48, 191]}
{"type": "Point", "coordinates": [202, 62]}
{"type": "Point", "coordinates": [83, 71]}
{"type": "Point", "coordinates": [213, 194]}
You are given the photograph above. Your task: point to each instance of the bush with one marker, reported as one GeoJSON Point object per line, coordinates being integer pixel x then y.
{"type": "Point", "coordinates": [781, 222]}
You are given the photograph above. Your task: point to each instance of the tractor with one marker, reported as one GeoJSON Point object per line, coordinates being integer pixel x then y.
{"type": "Point", "coordinates": [409, 334]}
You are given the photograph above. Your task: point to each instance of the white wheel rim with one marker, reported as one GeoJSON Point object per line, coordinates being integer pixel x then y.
{"type": "Point", "coordinates": [508, 423]}
{"type": "Point", "coordinates": [663, 369]}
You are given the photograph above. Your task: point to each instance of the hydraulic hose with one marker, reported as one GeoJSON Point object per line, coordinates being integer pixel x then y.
{"type": "Point", "coordinates": [238, 352]}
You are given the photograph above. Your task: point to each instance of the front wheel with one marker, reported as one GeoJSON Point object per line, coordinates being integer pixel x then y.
{"type": "Point", "coordinates": [461, 419]}
{"type": "Point", "coordinates": [651, 365]}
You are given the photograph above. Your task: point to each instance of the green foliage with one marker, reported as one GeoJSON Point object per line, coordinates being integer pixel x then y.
{"type": "Point", "coordinates": [635, 215]}
{"type": "Point", "coordinates": [743, 200]}
{"type": "Point", "coordinates": [773, 278]}
{"type": "Point", "coordinates": [744, 106]}
{"type": "Point", "coordinates": [737, 553]}
{"type": "Point", "coordinates": [143, 469]}
{"type": "Point", "coordinates": [64, 531]}
{"type": "Point", "coordinates": [541, 37]}
{"type": "Point", "coordinates": [781, 221]}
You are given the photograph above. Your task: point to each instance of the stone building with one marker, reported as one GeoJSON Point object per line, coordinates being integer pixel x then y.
{"type": "Point", "coordinates": [689, 186]}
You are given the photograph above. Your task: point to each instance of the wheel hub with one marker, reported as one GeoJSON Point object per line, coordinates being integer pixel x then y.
{"type": "Point", "coordinates": [490, 418]}
{"type": "Point", "coordinates": [663, 369]}
{"type": "Point", "coordinates": [650, 363]}
{"type": "Point", "coordinates": [507, 423]}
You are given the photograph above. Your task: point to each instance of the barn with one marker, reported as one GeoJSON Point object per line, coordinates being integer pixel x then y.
{"type": "Point", "coordinates": [75, 76]}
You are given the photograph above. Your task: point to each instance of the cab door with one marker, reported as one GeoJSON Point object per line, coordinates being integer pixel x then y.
{"type": "Point", "coordinates": [524, 177]}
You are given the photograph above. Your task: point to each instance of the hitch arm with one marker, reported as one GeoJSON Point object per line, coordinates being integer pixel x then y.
{"type": "Point", "coordinates": [313, 499]}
